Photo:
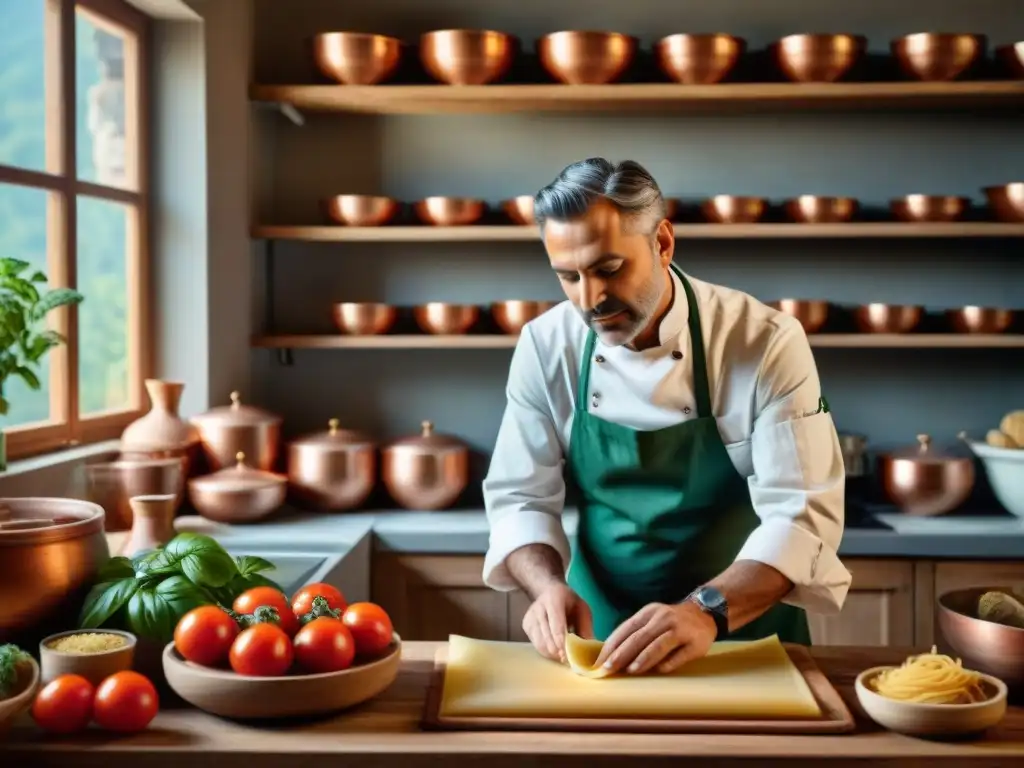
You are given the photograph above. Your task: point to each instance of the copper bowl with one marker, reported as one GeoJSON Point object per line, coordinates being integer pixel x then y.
{"type": "Point", "coordinates": [698, 59]}
{"type": "Point", "coordinates": [818, 58]}
{"type": "Point", "coordinates": [363, 318]}
{"type": "Point", "coordinates": [933, 209]}
{"type": "Point", "coordinates": [812, 209]}
{"type": "Point", "coordinates": [1007, 201]}
{"type": "Point", "coordinates": [924, 481]}
{"type": "Point", "coordinates": [356, 58]}
{"type": "Point", "coordinates": [733, 209]}
{"type": "Point", "coordinates": [671, 208]}
{"type": "Point", "coordinates": [972, 319]}
{"type": "Point", "coordinates": [995, 649]}
{"type": "Point", "coordinates": [466, 56]}
{"type": "Point", "coordinates": [1011, 58]}
{"type": "Point", "coordinates": [111, 484]}
{"type": "Point", "coordinates": [811, 313]}
{"type": "Point", "coordinates": [586, 58]}
{"type": "Point", "coordinates": [935, 56]}
{"type": "Point", "coordinates": [887, 318]}
{"type": "Point", "coordinates": [512, 315]}
{"type": "Point", "coordinates": [445, 319]}
{"type": "Point", "coordinates": [449, 211]}
{"type": "Point", "coordinates": [520, 210]}
{"type": "Point", "coordinates": [360, 210]}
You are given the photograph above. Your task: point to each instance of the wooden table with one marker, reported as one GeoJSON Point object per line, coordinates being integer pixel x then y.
{"type": "Point", "coordinates": [385, 732]}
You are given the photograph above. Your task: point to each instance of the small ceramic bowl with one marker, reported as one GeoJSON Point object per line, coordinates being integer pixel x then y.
{"type": "Point", "coordinates": [13, 706]}
{"type": "Point", "coordinates": [932, 720]}
{"type": "Point", "coordinates": [94, 667]}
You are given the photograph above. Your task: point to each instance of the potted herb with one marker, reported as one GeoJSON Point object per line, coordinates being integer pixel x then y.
{"type": "Point", "coordinates": [24, 305]}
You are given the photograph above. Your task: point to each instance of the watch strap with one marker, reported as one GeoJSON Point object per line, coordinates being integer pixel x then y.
{"type": "Point", "coordinates": [719, 613]}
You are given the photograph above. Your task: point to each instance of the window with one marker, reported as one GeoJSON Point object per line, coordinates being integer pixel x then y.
{"type": "Point", "coordinates": [73, 196]}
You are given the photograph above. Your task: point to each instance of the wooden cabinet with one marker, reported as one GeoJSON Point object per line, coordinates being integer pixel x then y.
{"type": "Point", "coordinates": [879, 608]}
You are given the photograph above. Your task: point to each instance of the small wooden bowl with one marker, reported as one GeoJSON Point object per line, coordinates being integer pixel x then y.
{"type": "Point", "coordinates": [224, 693]}
{"type": "Point", "coordinates": [14, 705]}
{"type": "Point", "coordinates": [94, 667]}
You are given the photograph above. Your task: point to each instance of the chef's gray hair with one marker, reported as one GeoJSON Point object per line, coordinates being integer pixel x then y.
{"type": "Point", "coordinates": [626, 185]}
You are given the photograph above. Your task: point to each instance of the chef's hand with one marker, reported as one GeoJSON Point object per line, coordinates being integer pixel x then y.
{"type": "Point", "coordinates": [659, 636]}
{"type": "Point", "coordinates": [557, 610]}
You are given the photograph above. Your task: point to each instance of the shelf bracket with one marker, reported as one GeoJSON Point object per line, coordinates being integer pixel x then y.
{"type": "Point", "coordinates": [284, 356]}
{"type": "Point", "coordinates": [288, 110]}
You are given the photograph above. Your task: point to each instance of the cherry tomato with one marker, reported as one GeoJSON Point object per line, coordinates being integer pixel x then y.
{"type": "Point", "coordinates": [251, 599]}
{"type": "Point", "coordinates": [324, 645]}
{"type": "Point", "coordinates": [204, 635]}
{"type": "Point", "coordinates": [262, 650]}
{"type": "Point", "coordinates": [302, 602]}
{"type": "Point", "coordinates": [370, 627]}
{"type": "Point", "coordinates": [64, 705]}
{"type": "Point", "coordinates": [125, 702]}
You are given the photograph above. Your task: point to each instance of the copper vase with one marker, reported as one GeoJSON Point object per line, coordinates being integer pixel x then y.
{"type": "Point", "coordinates": [152, 523]}
{"type": "Point", "coordinates": [161, 433]}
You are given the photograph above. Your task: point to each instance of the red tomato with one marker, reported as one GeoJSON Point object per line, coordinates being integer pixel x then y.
{"type": "Point", "coordinates": [302, 602]}
{"type": "Point", "coordinates": [125, 702]}
{"type": "Point", "coordinates": [370, 627]}
{"type": "Point", "coordinates": [251, 599]}
{"type": "Point", "coordinates": [262, 650]}
{"type": "Point", "coordinates": [324, 645]}
{"type": "Point", "coordinates": [204, 635]}
{"type": "Point", "coordinates": [64, 705]}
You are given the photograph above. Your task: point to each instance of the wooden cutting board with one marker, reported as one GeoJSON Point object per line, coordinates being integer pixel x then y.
{"type": "Point", "coordinates": [486, 677]}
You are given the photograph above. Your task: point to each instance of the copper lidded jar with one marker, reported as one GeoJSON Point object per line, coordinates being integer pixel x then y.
{"type": "Point", "coordinates": [227, 430]}
{"type": "Point", "coordinates": [924, 480]}
{"type": "Point", "coordinates": [428, 471]}
{"type": "Point", "coordinates": [238, 494]}
{"type": "Point", "coordinates": [333, 470]}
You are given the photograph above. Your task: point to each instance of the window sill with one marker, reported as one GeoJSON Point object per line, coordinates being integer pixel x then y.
{"type": "Point", "coordinates": [49, 474]}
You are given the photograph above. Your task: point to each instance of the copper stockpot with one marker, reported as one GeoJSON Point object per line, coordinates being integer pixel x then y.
{"type": "Point", "coordinates": [973, 319]}
{"type": "Point", "coordinates": [936, 56]}
{"type": "Point", "coordinates": [925, 481]}
{"type": "Point", "coordinates": [887, 318]}
{"type": "Point", "coordinates": [332, 470]}
{"type": "Point", "coordinates": [360, 210]}
{"type": "Point", "coordinates": [818, 58]}
{"type": "Point", "coordinates": [1011, 57]}
{"type": "Point", "coordinates": [519, 210]}
{"type": "Point", "coordinates": [449, 211]}
{"type": "Point", "coordinates": [466, 56]}
{"type": "Point", "coordinates": [586, 58]}
{"type": "Point", "coordinates": [238, 494]}
{"type": "Point", "coordinates": [814, 209]}
{"type": "Point", "coordinates": [226, 430]}
{"type": "Point", "coordinates": [698, 59]}
{"type": "Point", "coordinates": [363, 318]}
{"type": "Point", "coordinates": [812, 314]}
{"type": "Point", "coordinates": [356, 58]}
{"type": "Point", "coordinates": [733, 209]}
{"type": "Point", "coordinates": [445, 319]}
{"type": "Point", "coordinates": [1007, 201]}
{"type": "Point", "coordinates": [428, 471]}
{"type": "Point", "coordinates": [928, 208]}
{"type": "Point", "coordinates": [986, 646]}
{"type": "Point", "coordinates": [51, 551]}
{"type": "Point", "coordinates": [112, 483]}
{"type": "Point", "coordinates": [513, 314]}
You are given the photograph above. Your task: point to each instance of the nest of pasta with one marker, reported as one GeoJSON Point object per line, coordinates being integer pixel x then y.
{"type": "Point", "coordinates": [932, 678]}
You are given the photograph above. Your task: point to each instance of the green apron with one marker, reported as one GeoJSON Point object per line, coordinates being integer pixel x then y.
{"type": "Point", "coordinates": [661, 511]}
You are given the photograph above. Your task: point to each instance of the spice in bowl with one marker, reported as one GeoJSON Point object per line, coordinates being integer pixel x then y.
{"type": "Point", "coordinates": [93, 654]}
{"type": "Point", "coordinates": [88, 642]}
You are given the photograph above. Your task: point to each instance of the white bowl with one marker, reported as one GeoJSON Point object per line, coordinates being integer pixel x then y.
{"type": "Point", "coordinates": [15, 705]}
{"type": "Point", "coordinates": [1005, 470]}
{"type": "Point", "coordinates": [932, 719]}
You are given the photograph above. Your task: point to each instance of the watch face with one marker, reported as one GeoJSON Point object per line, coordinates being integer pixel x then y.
{"type": "Point", "coordinates": [712, 598]}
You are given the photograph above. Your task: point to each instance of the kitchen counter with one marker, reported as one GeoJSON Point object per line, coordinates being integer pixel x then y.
{"type": "Point", "coordinates": [385, 732]}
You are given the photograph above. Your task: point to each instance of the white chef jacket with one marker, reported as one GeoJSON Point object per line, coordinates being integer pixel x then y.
{"type": "Point", "coordinates": [765, 396]}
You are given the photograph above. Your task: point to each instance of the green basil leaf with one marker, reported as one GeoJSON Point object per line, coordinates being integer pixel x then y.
{"type": "Point", "coordinates": [115, 569]}
{"type": "Point", "coordinates": [148, 562]}
{"type": "Point", "coordinates": [250, 564]}
{"type": "Point", "coordinates": [154, 613]}
{"type": "Point", "coordinates": [104, 600]}
{"type": "Point", "coordinates": [201, 559]}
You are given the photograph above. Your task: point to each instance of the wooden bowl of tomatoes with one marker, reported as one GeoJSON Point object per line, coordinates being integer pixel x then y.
{"type": "Point", "coordinates": [271, 658]}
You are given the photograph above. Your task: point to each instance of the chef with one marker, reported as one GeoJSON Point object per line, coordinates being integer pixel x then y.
{"type": "Point", "coordinates": [689, 421]}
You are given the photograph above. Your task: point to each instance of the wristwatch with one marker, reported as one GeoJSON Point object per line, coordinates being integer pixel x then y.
{"type": "Point", "coordinates": [713, 603]}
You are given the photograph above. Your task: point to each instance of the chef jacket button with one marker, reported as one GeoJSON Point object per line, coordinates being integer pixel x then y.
{"type": "Point", "coordinates": [677, 355]}
{"type": "Point", "coordinates": [596, 395]}
{"type": "Point", "coordinates": [593, 403]}
{"type": "Point", "coordinates": [599, 359]}
{"type": "Point", "coordinates": [686, 409]}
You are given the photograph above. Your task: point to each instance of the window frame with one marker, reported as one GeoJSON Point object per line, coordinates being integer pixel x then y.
{"type": "Point", "coordinates": [66, 426]}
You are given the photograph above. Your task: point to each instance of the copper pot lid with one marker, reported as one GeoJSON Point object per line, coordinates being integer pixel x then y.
{"type": "Point", "coordinates": [334, 439]}
{"type": "Point", "coordinates": [238, 478]}
{"type": "Point", "coordinates": [925, 452]}
{"type": "Point", "coordinates": [236, 415]}
{"type": "Point", "coordinates": [428, 441]}
{"type": "Point", "coordinates": [28, 521]}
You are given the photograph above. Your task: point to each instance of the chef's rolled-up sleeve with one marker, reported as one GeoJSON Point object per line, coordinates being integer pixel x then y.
{"type": "Point", "coordinates": [524, 491]}
{"type": "Point", "coordinates": [798, 483]}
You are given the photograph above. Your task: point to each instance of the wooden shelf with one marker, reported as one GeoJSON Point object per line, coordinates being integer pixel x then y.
{"type": "Point", "coordinates": [831, 340]}
{"type": "Point", "coordinates": [427, 234]}
{"type": "Point", "coordinates": [440, 99]}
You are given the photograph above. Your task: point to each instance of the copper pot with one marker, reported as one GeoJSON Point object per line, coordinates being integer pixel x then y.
{"type": "Point", "coordinates": [466, 56]}
{"type": "Point", "coordinates": [973, 319]}
{"type": "Point", "coordinates": [363, 318]}
{"type": "Point", "coordinates": [332, 470]}
{"type": "Point", "coordinates": [226, 430]}
{"type": "Point", "coordinates": [928, 208]}
{"type": "Point", "coordinates": [586, 58]}
{"type": "Point", "coordinates": [818, 58]}
{"type": "Point", "coordinates": [238, 494]}
{"type": "Point", "coordinates": [112, 483]}
{"type": "Point", "coordinates": [51, 551]}
{"type": "Point", "coordinates": [360, 210]}
{"type": "Point", "coordinates": [446, 319]}
{"type": "Point", "coordinates": [887, 318]}
{"type": "Point", "coordinates": [449, 211]}
{"type": "Point", "coordinates": [733, 209]}
{"type": "Point", "coordinates": [995, 649]}
{"type": "Point", "coordinates": [512, 315]}
{"type": "Point", "coordinates": [811, 314]}
{"type": "Point", "coordinates": [356, 58]}
{"type": "Point", "coordinates": [698, 59]}
{"type": "Point", "coordinates": [519, 210]}
{"type": "Point", "coordinates": [428, 471]}
{"type": "Point", "coordinates": [925, 481]}
{"type": "Point", "coordinates": [814, 209]}
{"type": "Point", "coordinates": [935, 56]}
{"type": "Point", "coordinates": [1011, 57]}
{"type": "Point", "coordinates": [1007, 201]}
